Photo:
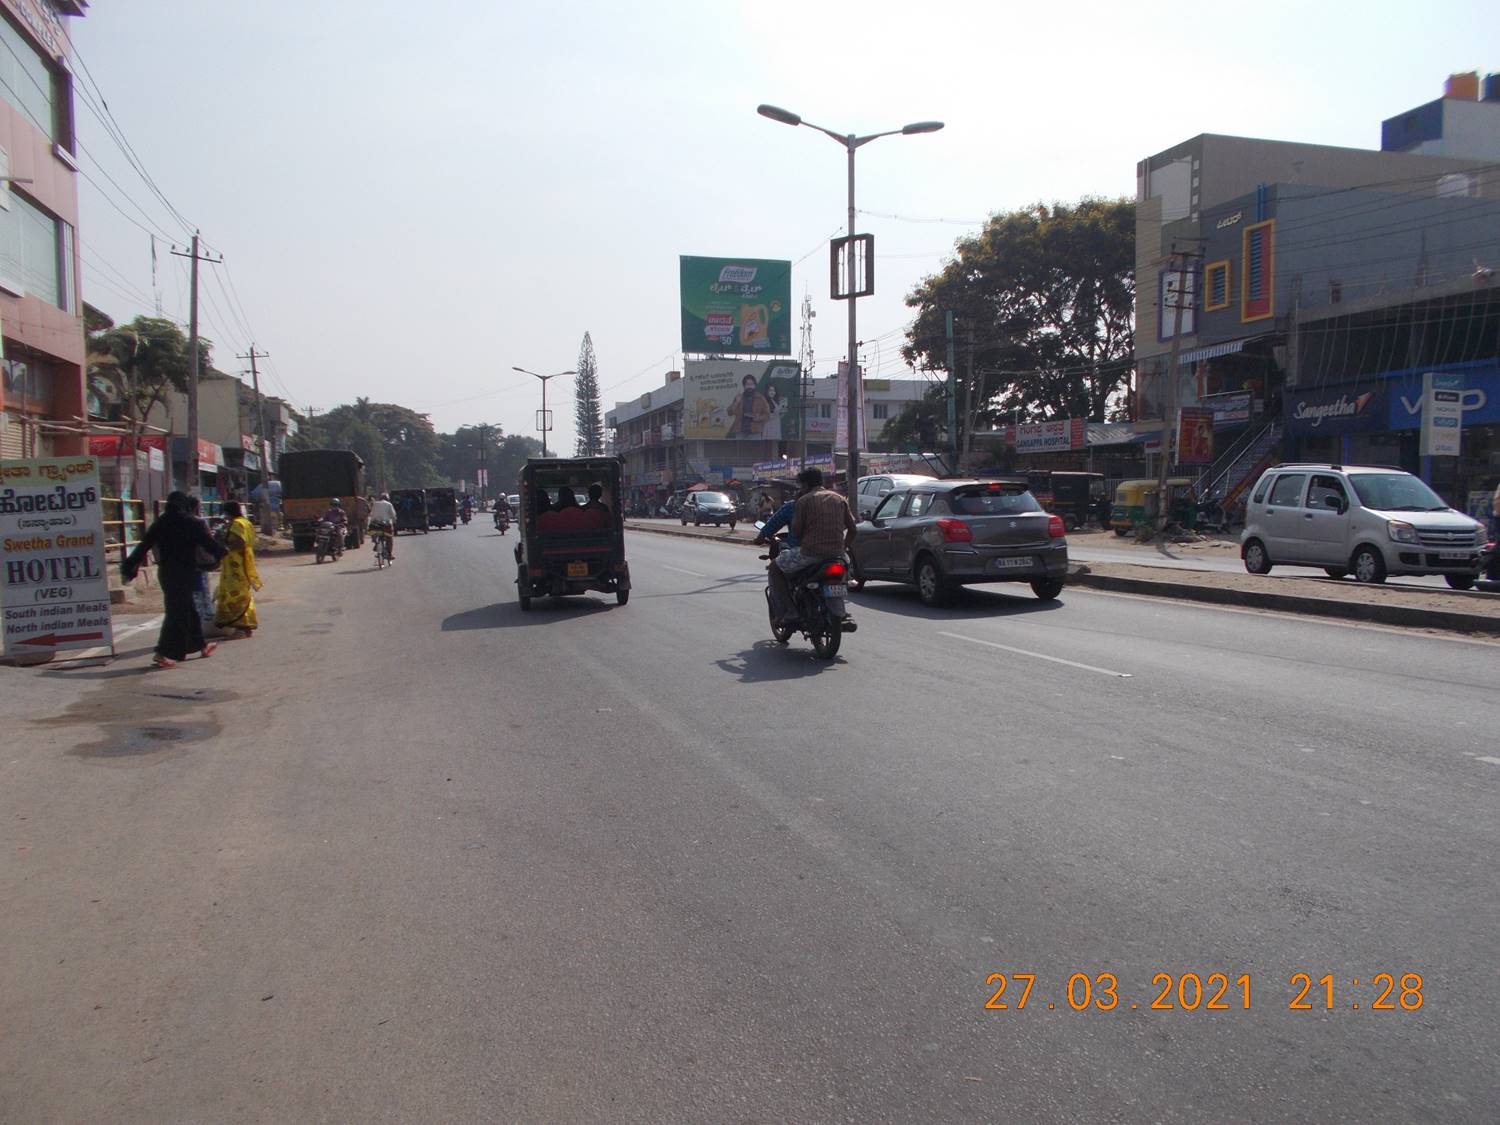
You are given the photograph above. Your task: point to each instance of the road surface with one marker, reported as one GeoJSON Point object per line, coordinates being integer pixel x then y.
{"type": "Point", "coordinates": [412, 854]}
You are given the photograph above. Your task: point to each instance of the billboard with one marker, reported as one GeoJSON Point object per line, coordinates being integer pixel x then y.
{"type": "Point", "coordinates": [1195, 436]}
{"type": "Point", "coordinates": [741, 399]}
{"type": "Point", "coordinates": [54, 592]}
{"type": "Point", "coordinates": [736, 306]}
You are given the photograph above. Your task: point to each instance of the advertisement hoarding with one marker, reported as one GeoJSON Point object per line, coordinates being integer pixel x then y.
{"type": "Point", "coordinates": [1195, 436]}
{"type": "Point", "coordinates": [741, 400]}
{"type": "Point", "coordinates": [54, 593]}
{"type": "Point", "coordinates": [736, 306]}
{"type": "Point", "coordinates": [1442, 414]}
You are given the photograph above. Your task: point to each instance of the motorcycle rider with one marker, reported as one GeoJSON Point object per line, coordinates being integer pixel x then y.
{"type": "Point", "coordinates": [340, 520]}
{"type": "Point", "coordinates": [383, 516]}
{"type": "Point", "coordinates": [822, 528]}
{"type": "Point", "coordinates": [466, 506]}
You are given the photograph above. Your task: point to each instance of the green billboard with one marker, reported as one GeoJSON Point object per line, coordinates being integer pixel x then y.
{"type": "Point", "coordinates": [736, 306]}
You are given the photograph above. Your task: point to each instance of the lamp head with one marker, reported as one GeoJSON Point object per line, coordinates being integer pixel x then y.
{"type": "Point", "coordinates": [776, 113]}
{"type": "Point", "coordinates": [921, 127]}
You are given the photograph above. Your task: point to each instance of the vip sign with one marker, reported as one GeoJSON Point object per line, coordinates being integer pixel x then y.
{"type": "Point", "coordinates": [54, 593]}
{"type": "Point", "coordinates": [1442, 414]}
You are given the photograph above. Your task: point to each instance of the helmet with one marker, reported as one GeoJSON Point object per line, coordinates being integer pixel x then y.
{"type": "Point", "coordinates": [336, 503]}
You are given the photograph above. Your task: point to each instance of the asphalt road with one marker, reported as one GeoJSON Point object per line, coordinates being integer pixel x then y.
{"type": "Point", "coordinates": [412, 854]}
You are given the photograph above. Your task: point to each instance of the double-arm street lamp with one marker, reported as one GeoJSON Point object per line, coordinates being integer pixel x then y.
{"type": "Point", "coordinates": [543, 419]}
{"type": "Point", "coordinates": [850, 141]}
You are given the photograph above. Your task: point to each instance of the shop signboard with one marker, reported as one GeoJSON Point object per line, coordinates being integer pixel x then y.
{"type": "Point", "coordinates": [1442, 414]}
{"type": "Point", "coordinates": [736, 306]}
{"type": "Point", "coordinates": [54, 590]}
{"type": "Point", "coordinates": [1230, 410]}
{"type": "Point", "coordinates": [1195, 436]}
{"type": "Point", "coordinates": [1044, 437]}
{"type": "Point", "coordinates": [1334, 411]}
{"type": "Point", "coordinates": [1479, 398]}
{"type": "Point", "coordinates": [741, 400]}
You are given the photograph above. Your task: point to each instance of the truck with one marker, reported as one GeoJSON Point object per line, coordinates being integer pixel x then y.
{"type": "Point", "coordinates": [310, 480]}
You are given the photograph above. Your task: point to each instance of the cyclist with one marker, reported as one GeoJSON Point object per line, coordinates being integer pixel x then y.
{"type": "Point", "coordinates": [383, 519]}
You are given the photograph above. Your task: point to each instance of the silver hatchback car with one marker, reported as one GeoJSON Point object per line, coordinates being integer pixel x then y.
{"type": "Point", "coordinates": [1360, 520]}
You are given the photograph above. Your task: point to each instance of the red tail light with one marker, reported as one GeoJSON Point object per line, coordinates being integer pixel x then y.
{"type": "Point", "coordinates": [1055, 527]}
{"type": "Point", "coordinates": [834, 570]}
{"type": "Point", "coordinates": [955, 531]}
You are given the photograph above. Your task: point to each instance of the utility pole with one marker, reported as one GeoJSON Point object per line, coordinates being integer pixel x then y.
{"type": "Point", "coordinates": [807, 362]}
{"type": "Point", "coordinates": [1180, 299]}
{"type": "Point", "coordinates": [952, 394]}
{"type": "Point", "coordinates": [260, 421]}
{"type": "Point", "coordinates": [194, 474]}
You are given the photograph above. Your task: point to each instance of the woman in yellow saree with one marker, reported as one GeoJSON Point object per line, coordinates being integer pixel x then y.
{"type": "Point", "coordinates": [234, 604]}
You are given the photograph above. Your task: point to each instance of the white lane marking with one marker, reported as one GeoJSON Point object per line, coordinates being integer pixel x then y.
{"type": "Point", "coordinates": [1038, 655]}
{"type": "Point", "coordinates": [679, 570]}
{"type": "Point", "coordinates": [1491, 761]}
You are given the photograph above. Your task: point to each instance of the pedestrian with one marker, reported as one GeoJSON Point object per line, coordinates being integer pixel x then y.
{"type": "Point", "coordinates": [203, 601]}
{"type": "Point", "coordinates": [234, 606]}
{"type": "Point", "coordinates": [177, 537]}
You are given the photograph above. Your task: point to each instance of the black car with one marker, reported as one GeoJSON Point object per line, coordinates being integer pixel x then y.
{"type": "Point", "coordinates": [941, 534]}
{"type": "Point", "coordinates": [709, 507]}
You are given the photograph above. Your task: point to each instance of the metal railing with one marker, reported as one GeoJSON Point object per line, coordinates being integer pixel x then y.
{"type": "Point", "coordinates": [124, 524]}
{"type": "Point", "coordinates": [1215, 476]}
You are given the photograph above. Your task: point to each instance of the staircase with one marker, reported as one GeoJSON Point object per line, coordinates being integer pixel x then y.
{"type": "Point", "coordinates": [1255, 451]}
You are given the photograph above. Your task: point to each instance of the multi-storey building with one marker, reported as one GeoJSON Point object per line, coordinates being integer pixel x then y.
{"type": "Point", "coordinates": [43, 407]}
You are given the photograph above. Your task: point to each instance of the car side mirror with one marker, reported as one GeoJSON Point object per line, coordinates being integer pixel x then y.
{"type": "Point", "coordinates": [877, 521]}
{"type": "Point", "coordinates": [1335, 503]}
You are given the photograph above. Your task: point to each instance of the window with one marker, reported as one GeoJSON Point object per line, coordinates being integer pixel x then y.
{"type": "Point", "coordinates": [36, 252]}
{"type": "Point", "coordinates": [1323, 489]}
{"type": "Point", "coordinates": [920, 502]}
{"type": "Point", "coordinates": [880, 411]}
{"type": "Point", "coordinates": [1257, 284]}
{"type": "Point", "coordinates": [890, 506]}
{"type": "Point", "coordinates": [999, 499]}
{"type": "Point", "coordinates": [1287, 491]}
{"type": "Point", "coordinates": [28, 82]}
{"type": "Point", "coordinates": [825, 410]}
{"type": "Point", "coordinates": [1216, 286]}
{"type": "Point", "coordinates": [1260, 490]}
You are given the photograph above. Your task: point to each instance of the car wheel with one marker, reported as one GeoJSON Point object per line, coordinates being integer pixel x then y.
{"type": "Point", "coordinates": [1368, 566]}
{"type": "Point", "coordinates": [1256, 559]}
{"type": "Point", "coordinates": [1335, 571]}
{"type": "Point", "coordinates": [1461, 581]}
{"type": "Point", "coordinates": [931, 587]}
{"type": "Point", "coordinates": [1047, 588]}
{"type": "Point", "coordinates": [1122, 531]}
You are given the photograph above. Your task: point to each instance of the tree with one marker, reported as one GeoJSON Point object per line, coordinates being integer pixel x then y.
{"type": "Point", "coordinates": [1044, 305]}
{"type": "Point", "coordinates": [140, 362]}
{"type": "Point", "coordinates": [590, 426]}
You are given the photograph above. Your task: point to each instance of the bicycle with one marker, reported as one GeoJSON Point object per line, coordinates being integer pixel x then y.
{"type": "Point", "coordinates": [380, 540]}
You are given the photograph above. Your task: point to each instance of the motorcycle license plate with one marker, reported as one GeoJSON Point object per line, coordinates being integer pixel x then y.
{"type": "Point", "coordinates": [835, 591]}
{"type": "Point", "coordinates": [578, 570]}
{"type": "Point", "coordinates": [1022, 562]}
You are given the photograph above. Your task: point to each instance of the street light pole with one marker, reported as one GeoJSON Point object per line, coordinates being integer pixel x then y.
{"type": "Point", "coordinates": [544, 419]}
{"type": "Point", "coordinates": [850, 141]}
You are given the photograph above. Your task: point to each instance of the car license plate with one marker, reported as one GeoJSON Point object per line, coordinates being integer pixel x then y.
{"type": "Point", "coordinates": [835, 591]}
{"type": "Point", "coordinates": [578, 570]}
{"type": "Point", "coordinates": [1458, 555]}
{"type": "Point", "coordinates": [1018, 563]}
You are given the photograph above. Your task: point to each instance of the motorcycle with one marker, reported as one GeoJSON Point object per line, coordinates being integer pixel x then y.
{"type": "Point", "coordinates": [818, 593]}
{"type": "Point", "coordinates": [502, 521]}
{"type": "Point", "coordinates": [329, 541]}
{"type": "Point", "coordinates": [465, 515]}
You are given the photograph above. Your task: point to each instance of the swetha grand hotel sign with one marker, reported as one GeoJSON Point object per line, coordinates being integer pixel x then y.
{"type": "Point", "coordinates": [54, 590]}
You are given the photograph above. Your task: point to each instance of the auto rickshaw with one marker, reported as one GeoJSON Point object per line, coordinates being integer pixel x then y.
{"type": "Point", "coordinates": [1135, 501]}
{"type": "Point", "coordinates": [1075, 497]}
{"type": "Point", "coordinates": [442, 507]}
{"type": "Point", "coordinates": [570, 543]}
{"type": "Point", "coordinates": [411, 509]}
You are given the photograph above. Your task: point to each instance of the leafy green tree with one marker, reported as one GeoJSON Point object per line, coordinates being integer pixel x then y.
{"type": "Point", "coordinates": [589, 423]}
{"type": "Point", "coordinates": [1044, 307]}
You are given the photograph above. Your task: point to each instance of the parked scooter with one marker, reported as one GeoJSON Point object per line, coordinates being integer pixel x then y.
{"type": "Point", "coordinates": [818, 599]}
{"type": "Point", "coordinates": [329, 541]}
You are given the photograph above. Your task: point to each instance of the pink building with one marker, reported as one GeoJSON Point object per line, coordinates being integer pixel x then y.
{"type": "Point", "coordinates": [42, 391]}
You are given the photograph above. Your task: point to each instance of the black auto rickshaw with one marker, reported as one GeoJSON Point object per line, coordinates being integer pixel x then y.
{"type": "Point", "coordinates": [571, 541]}
{"type": "Point", "coordinates": [411, 509]}
{"type": "Point", "coordinates": [1077, 496]}
{"type": "Point", "coordinates": [442, 507]}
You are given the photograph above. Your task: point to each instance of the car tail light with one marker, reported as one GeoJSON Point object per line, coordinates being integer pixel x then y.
{"type": "Point", "coordinates": [1056, 529]}
{"type": "Point", "coordinates": [955, 531]}
{"type": "Point", "coordinates": [834, 570]}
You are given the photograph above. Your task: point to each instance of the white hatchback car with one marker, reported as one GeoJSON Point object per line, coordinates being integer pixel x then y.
{"type": "Point", "coordinates": [1360, 520]}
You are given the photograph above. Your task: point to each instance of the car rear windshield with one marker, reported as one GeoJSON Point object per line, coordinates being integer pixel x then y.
{"type": "Point", "coordinates": [992, 500]}
{"type": "Point", "coordinates": [1395, 492]}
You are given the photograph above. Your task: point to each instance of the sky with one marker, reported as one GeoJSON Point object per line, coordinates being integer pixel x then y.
{"type": "Point", "coordinates": [413, 198]}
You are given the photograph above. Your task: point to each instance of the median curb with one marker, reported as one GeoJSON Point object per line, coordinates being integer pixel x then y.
{"type": "Point", "coordinates": [1409, 617]}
